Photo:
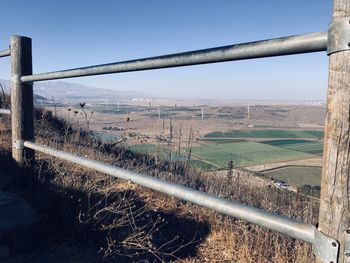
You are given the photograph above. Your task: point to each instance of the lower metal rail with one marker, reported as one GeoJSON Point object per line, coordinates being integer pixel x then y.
{"type": "Point", "coordinates": [253, 215]}
{"type": "Point", "coordinates": [325, 248]}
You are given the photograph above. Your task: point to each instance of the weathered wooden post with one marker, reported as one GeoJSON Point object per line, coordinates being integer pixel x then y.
{"type": "Point", "coordinates": [334, 218]}
{"type": "Point", "coordinates": [21, 98]}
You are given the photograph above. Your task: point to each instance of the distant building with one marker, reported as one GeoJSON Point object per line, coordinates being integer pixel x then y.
{"type": "Point", "coordinates": [141, 99]}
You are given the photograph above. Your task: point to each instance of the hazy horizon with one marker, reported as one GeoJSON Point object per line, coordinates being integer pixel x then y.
{"type": "Point", "coordinates": [69, 34]}
{"type": "Point", "coordinates": [143, 95]}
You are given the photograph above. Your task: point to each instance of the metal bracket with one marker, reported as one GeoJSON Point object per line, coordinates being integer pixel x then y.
{"type": "Point", "coordinates": [18, 144]}
{"type": "Point", "coordinates": [15, 78]}
{"type": "Point", "coordinates": [339, 36]}
{"type": "Point", "coordinates": [347, 246]}
{"type": "Point", "coordinates": [325, 248]}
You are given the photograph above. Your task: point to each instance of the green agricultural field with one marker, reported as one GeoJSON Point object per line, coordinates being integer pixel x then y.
{"type": "Point", "coordinates": [312, 147]}
{"type": "Point", "coordinates": [215, 135]}
{"type": "Point", "coordinates": [143, 148]}
{"type": "Point", "coordinates": [246, 153]}
{"type": "Point", "coordinates": [297, 176]}
{"type": "Point", "coordinates": [266, 134]}
{"type": "Point", "coordinates": [202, 165]}
{"type": "Point", "coordinates": [242, 153]}
{"type": "Point", "coordinates": [163, 153]}
{"type": "Point", "coordinates": [224, 140]}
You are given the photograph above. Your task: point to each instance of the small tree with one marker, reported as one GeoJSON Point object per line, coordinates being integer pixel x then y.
{"type": "Point", "coordinates": [87, 120]}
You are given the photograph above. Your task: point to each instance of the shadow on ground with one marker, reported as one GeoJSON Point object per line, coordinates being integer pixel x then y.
{"type": "Point", "coordinates": [90, 226]}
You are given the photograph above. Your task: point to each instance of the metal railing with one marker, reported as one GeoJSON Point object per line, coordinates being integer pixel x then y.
{"type": "Point", "coordinates": [291, 45]}
{"type": "Point", "coordinates": [324, 247]}
{"type": "Point", "coordinates": [256, 216]}
{"type": "Point", "coordinates": [5, 53]}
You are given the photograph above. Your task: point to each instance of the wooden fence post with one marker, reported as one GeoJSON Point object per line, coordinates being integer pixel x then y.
{"type": "Point", "coordinates": [335, 186]}
{"type": "Point", "coordinates": [21, 99]}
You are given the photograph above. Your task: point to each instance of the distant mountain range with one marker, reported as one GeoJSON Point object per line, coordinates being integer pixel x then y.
{"type": "Point", "coordinates": [60, 90]}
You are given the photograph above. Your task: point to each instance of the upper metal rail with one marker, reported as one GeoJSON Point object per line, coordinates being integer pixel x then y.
{"type": "Point", "coordinates": [282, 224]}
{"type": "Point", "coordinates": [5, 53]}
{"type": "Point", "coordinates": [306, 43]}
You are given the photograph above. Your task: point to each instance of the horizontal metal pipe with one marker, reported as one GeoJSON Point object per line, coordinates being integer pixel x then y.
{"type": "Point", "coordinates": [5, 53]}
{"type": "Point", "coordinates": [253, 215]}
{"type": "Point", "coordinates": [5, 111]}
{"type": "Point", "coordinates": [312, 42]}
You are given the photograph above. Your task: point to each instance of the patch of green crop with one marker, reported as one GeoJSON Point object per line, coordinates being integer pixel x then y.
{"type": "Point", "coordinates": [215, 135]}
{"type": "Point", "coordinates": [266, 134]}
{"type": "Point", "coordinates": [246, 153]}
{"type": "Point", "coordinates": [312, 147]}
{"type": "Point", "coordinates": [297, 176]}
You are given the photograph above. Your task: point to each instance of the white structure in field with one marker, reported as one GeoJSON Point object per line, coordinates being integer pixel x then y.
{"type": "Point", "coordinates": [248, 112]}
{"type": "Point", "coordinates": [141, 100]}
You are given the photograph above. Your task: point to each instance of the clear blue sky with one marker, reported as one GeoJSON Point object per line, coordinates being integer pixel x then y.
{"type": "Point", "coordinates": [68, 34]}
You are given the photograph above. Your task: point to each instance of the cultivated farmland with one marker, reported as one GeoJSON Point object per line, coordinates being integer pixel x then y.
{"type": "Point", "coordinates": [273, 136]}
{"type": "Point", "coordinates": [311, 147]}
{"type": "Point", "coordinates": [297, 176]}
{"type": "Point", "coordinates": [241, 147]}
{"type": "Point", "coordinates": [165, 153]}
{"type": "Point", "coordinates": [246, 153]}
{"type": "Point", "coordinates": [266, 134]}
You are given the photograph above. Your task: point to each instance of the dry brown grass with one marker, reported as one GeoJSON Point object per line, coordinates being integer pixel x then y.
{"type": "Point", "coordinates": [122, 222]}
